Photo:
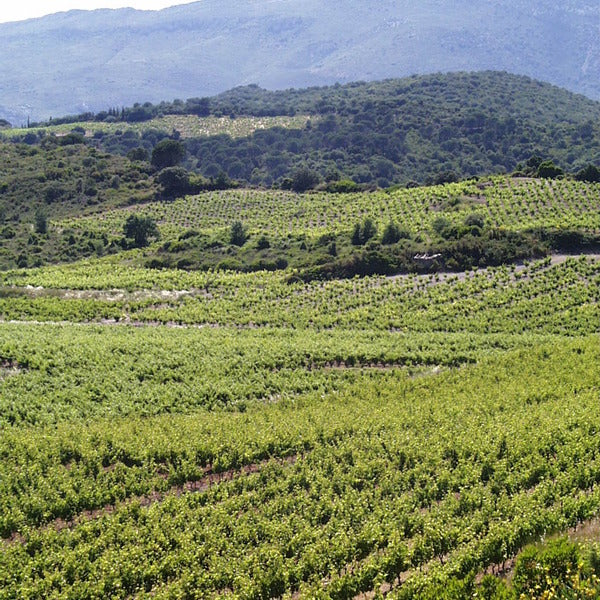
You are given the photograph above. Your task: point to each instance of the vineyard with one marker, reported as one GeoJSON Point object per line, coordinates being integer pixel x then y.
{"type": "Point", "coordinates": [188, 126]}
{"type": "Point", "coordinates": [185, 434]}
{"type": "Point", "coordinates": [516, 204]}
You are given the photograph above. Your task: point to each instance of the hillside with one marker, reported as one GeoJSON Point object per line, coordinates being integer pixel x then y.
{"type": "Point", "coordinates": [78, 61]}
{"type": "Point", "coordinates": [336, 342]}
{"type": "Point", "coordinates": [62, 178]}
{"type": "Point", "coordinates": [418, 129]}
{"type": "Point", "coordinates": [278, 394]}
{"type": "Point", "coordinates": [62, 200]}
{"type": "Point", "coordinates": [171, 434]}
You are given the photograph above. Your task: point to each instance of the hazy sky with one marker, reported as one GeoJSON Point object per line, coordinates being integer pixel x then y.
{"type": "Point", "coordinates": [28, 9]}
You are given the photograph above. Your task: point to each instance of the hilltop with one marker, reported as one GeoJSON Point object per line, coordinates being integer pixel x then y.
{"type": "Point", "coordinates": [417, 129]}
{"type": "Point", "coordinates": [113, 58]}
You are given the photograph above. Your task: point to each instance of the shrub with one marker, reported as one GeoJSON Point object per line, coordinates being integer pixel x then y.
{"type": "Point", "coordinates": [263, 243]}
{"type": "Point", "coordinates": [393, 234]}
{"type": "Point", "coordinates": [591, 173]}
{"type": "Point", "coordinates": [548, 170]}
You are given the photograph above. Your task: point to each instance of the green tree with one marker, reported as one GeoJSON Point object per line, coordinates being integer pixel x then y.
{"type": "Point", "coordinates": [41, 222]}
{"type": "Point", "coordinates": [304, 179]}
{"type": "Point", "coordinates": [590, 173]}
{"type": "Point", "coordinates": [138, 154]}
{"type": "Point", "coordinates": [263, 243]}
{"type": "Point", "coordinates": [175, 182]}
{"type": "Point", "coordinates": [363, 232]}
{"type": "Point", "coordinates": [139, 230]}
{"type": "Point", "coordinates": [168, 153]}
{"type": "Point", "coordinates": [548, 170]}
{"type": "Point", "coordinates": [238, 234]}
{"type": "Point", "coordinates": [393, 234]}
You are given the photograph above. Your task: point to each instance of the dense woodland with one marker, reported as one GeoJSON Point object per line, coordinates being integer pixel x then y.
{"type": "Point", "coordinates": [420, 129]}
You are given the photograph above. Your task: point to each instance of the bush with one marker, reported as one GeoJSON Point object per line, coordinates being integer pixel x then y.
{"type": "Point", "coordinates": [548, 170]}
{"type": "Point", "coordinates": [444, 228]}
{"type": "Point", "coordinates": [539, 568]}
{"type": "Point", "coordinates": [475, 220]}
{"type": "Point", "coordinates": [263, 243]}
{"type": "Point", "coordinates": [393, 234]}
{"type": "Point", "coordinates": [344, 186]}
{"type": "Point", "coordinates": [54, 192]}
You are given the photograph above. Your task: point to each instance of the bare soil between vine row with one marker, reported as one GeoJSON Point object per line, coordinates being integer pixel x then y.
{"type": "Point", "coordinates": [122, 295]}
{"type": "Point", "coordinates": [203, 484]}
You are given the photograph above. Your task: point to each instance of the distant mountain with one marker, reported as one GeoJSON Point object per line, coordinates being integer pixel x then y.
{"type": "Point", "coordinates": [91, 60]}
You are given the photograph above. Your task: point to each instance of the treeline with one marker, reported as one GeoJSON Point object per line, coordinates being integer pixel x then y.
{"type": "Point", "coordinates": [425, 129]}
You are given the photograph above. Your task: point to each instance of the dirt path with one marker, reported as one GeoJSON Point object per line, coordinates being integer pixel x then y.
{"type": "Point", "coordinates": [443, 276]}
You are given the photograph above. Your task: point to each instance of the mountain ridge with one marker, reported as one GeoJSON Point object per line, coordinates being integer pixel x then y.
{"type": "Point", "coordinates": [89, 60]}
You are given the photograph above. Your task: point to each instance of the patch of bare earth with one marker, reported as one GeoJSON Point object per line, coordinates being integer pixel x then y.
{"type": "Point", "coordinates": [9, 368]}
{"type": "Point", "coordinates": [114, 295]}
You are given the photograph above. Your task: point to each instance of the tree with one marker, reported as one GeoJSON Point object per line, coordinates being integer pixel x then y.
{"type": "Point", "coordinates": [41, 222]}
{"type": "Point", "coordinates": [393, 234]}
{"type": "Point", "coordinates": [263, 243]}
{"type": "Point", "coordinates": [167, 153]}
{"type": "Point", "coordinates": [140, 229]}
{"type": "Point", "coordinates": [445, 177]}
{"type": "Point", "coordinates": [138, 113]}
{"type": "Point", "coordinates": [363, 232]}
{"type": "Point", "coordinates": [442, 226]}
{"type": "Point", "coordinates": [199, 106]}
{"type": "Point", "coordinates": [175, 182]}
{"type": "Point", "coordinates": [591, 173]}
{"type": "Point", "coordinates": [138, 153]}
{"type": "Point", "coordinates": [548, 170]}
{"type": "Point", "coordinates": [238, 234]}
{"type": "Point", "coordinates": [304, 179]}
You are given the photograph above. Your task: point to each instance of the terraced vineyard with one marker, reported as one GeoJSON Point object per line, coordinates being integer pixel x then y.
{"type": "Point", "coordinates": [188, 126]}
{"type": "Point", "coordinates": [556, 297]}
{"type": "Point", "coordinates": [199, 434]}
{"type": "Point", "coordinates": [517, 204]}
